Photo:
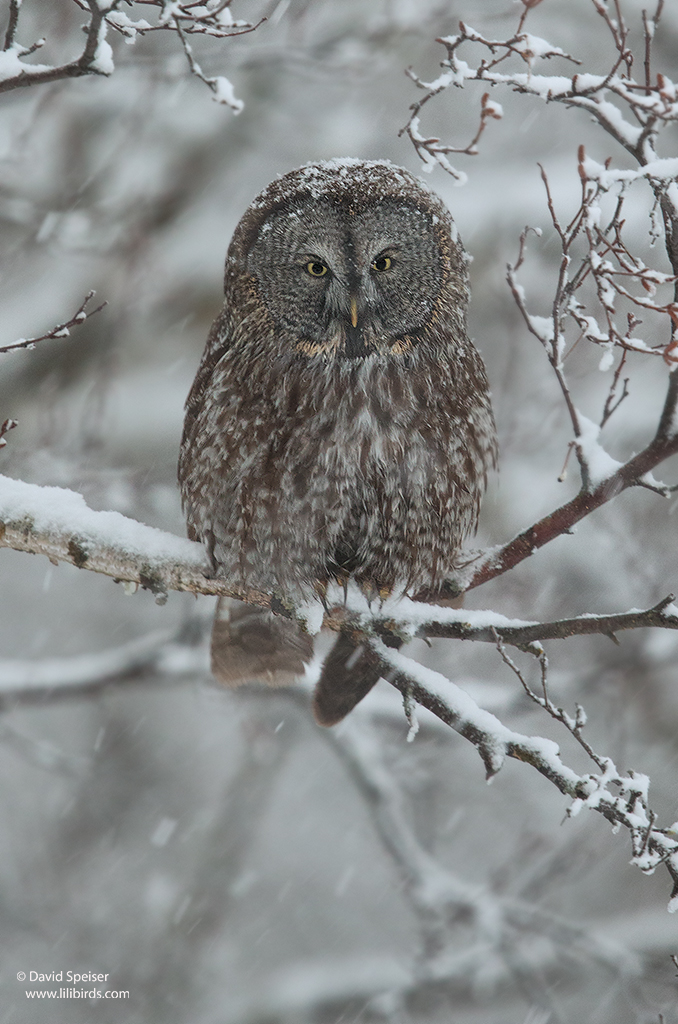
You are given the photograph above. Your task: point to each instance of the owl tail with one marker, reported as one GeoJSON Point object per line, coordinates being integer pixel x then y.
{"type": "Point", "coordinates": [347, 677]}
{"type": "Point", "coordinates": [251, 645]}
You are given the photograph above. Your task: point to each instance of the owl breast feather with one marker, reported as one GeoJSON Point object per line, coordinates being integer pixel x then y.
{"type": "Point", "coordinates": [296, 470]}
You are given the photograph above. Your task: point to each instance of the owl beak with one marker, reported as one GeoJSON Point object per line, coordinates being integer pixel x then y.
{"type": "Point", "coordinates": [354, 312]}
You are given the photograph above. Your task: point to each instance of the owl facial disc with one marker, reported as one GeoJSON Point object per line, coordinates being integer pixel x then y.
{"type": "Point", "coordinates": [348, 271]}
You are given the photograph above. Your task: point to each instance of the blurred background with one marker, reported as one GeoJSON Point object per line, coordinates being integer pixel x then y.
{"type": "Point", "coordinates": [218, 855]}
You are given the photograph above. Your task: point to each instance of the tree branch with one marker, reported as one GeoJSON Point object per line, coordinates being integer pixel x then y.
{"type": "Point", "coordinates": [561, 520]}
{"type": "Point", "coordinates": [652, 846]}
{"type": "Point", "coordinates": [61, 330]}
{"type": "Point", "coordinates": [56, 522]}
{"type": "Point", "coordinates": [410, 620]}
{"type": "Point", "coordinates": [97, 57]}
{"type": "Point", "coordinates": [12, 23]}
{"type": "Point", "coordinates": [89, 62]}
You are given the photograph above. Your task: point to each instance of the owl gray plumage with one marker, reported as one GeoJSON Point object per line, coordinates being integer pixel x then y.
{"type": "Point", "coordinates": [339, 425]}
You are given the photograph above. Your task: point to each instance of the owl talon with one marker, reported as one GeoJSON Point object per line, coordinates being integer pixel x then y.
{"type": "Point", "coordinates": [321, 590]}
{"type": "Point", "coordinates": [213, 570]}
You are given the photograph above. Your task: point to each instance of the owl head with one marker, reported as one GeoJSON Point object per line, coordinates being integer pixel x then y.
{"type": "Point", "coordinates": [353, 258]}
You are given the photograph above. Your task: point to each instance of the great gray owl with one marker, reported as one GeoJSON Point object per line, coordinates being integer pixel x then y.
{"type": "Point", "coordinates": [339, 425]}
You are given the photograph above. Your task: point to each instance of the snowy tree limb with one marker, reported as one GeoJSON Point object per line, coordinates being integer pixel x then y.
{"type": "Point", "coordinates": [189, 18]}
{"type": "Point", "coordinates": [56, 522]}
{"type": "Point", "coordinates": [448, 623]}
{"type": "Point", "coordinates": [94, 59]}
{"type": "Point", "coordinates": [627, 807]}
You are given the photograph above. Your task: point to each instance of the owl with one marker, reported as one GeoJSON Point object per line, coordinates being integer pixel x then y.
{"type": "Point", "coordinates": [339, 426]}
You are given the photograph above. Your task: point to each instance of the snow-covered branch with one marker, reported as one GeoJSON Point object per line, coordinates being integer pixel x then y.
{"type": "Point", "coordinates": [649, 105]}
{"type": "Point", "coordinates": [96, 57]}
{"type": "Point", "coordinates": [594, 252]}
{"type": "Point", "coordinates": [213, 19]}
{"type": "Point", "coordinates": [5, 427]}
{"type": "Point", "coordinates": [56, 522]}
{"type": "Point", "coordinates": [408, 620]}
{"type": "Point", "coordinates": [621, 799]}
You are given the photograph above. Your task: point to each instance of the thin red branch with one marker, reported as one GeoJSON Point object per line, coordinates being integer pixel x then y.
{"type": "Point", "coordinates": [561, 520]}
{"type": "Point", "coordinates": [61, 330]}
{"type": "Point", "coordinates": [4, 429]}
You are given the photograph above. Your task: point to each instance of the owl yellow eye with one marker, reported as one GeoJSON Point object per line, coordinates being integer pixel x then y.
{"type": "Point", "coordinates": [316, 268]}
{"type": "Point", "coordinates": [382, 263]}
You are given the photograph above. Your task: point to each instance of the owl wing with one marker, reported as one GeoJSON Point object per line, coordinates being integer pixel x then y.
{"type": "Point", "coordinates": [218, 342]}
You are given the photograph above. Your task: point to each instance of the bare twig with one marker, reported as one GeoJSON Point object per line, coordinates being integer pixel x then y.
{"type": "Point", "coordinates": [12, 23]}
{"type": "Point", "coordinates": [219, 86]}
{"type": "Point", "coordinates": [61, 330]}
{"type": "Point", "coordinates": [430, 149]}
{"type": "Point", "coordinates": [573, 725]}
{"type": "Point", "coordinates": [561, 520]}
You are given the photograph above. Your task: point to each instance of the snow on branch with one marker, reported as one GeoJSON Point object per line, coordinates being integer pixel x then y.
{"type": "Point", "coordinates": [5, 427]}
{"type": "Point", "coordinates": [635, 472]}
{"type": "Point", "coordinates": [61, 330]}
{"type": "Point", "coordinates": [603, 292]}
{"type": "Point", "coordinates": [213, 19]}
{"type": "Point", "coordinates": [621, 799]}
{"type": "Point", "coordinates": [439, 897]}
{"type": "Point", "coordinates": [95, 59]}
{"type": "Point", "coordinates": [648, 105]}
{"type": "Point", "coordinates": [408, 620]}
{"type": "Point", "coordinates": [57, 523]}
{"type": "Point", "coordinates": [602, 479]}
